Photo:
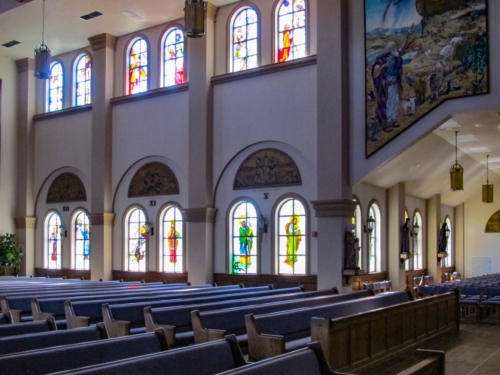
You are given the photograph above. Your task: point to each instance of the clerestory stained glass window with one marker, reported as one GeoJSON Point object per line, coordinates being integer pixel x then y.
{"type": "Point", "coordinates": [291, 220]}
{"type": "Point", "coordinates": [56, 82]}
{"type": "Point", "coordinates": [291, 32]}
{"type": "Point", "coordinates": [374, 246]}
{"type": "Point", "coordinates": [52, 241]}
{"type": "Point", "coordinates": [173, 55]}
{"type": "Point", "coordinates": [81, 255]}
{"type": "Point", "coordinates": [138, 66]}
{"type": "Point", "coordinates": [172, 241]}
{"type": "Point", "coordinates": [136, 241]}
{"type": "Point", "coordinates": [83, 76]}
{"type": "Point", "coordinates": [244, 40]}
{"type": "Point", "coordinates": [244, 247]}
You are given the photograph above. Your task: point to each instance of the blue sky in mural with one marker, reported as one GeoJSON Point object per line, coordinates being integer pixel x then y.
{"type": "Point", "coordinates": [401, 13]}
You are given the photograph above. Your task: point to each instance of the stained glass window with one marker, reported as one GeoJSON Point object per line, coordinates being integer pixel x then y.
{"type": "Point", "coordinates": [56, 87]}
{"type": "Point", "coordinates": [81, 257]}
{"type": "Point", "coordinates": [138, 66]}
{"type": "Point", "coordinates": [244, 246]}
{"type": "Point", "coordinates": [83, 80]}
{"type": "Point", "coordinates": [244, 40]}
{"type": "Point", "coordinates": [292, 247]}
{"type": "Point", "coordinates": [136, 246]}
{"type": "Point", "coordinates": [356, 223]}
{"type": "Point", "coordinates": [172, 241]}
{"type": "Point", "coordinates": [449, 249]}
{"type": "Point", "coordinates": [173, 54]}
{"type": "Point", "coordinates": [407, 263]}
{"type": "Point", "coordinates": [417, 243]}
{"type": "Point", "coordinates": [374, 251]}
{"type": "Point", "coordinates": [291, 30]}
{"type": "Point", "coordinates": [52, 241]}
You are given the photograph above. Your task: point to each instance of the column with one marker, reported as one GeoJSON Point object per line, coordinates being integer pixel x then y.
{"type": "Point", "coordinates": [396, 218]}
{"type": "Point", "coordinates": [334, 207]}
{"type": "Point", "coordinates": [101, 218]}
{"type": "Point", "coordinates": [200, 214]}
{"type": "Point", "coordinates": [25, 202]}
{"type": "Point", "coordinates": [433, 205]}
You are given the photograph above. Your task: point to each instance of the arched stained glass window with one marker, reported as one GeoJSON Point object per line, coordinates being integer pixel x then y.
{"type": "Point", "coordinates": [417, 243]}
{"type": "Point", "coordinates": [407, 263]}
{"type": "Point", "coordinates": [56, 82]}
{"type": "Point", "coordinates": [173, 58]}
{"type": "Point", "coordinates": [244, 40]}
{"type": "Point", "coordinates": [81, 247]}
{"type": "Point", "coordinates": [138, 66]}
{"type": "Point", "coordinates": [449, 249]}
{"type": "Point", "coordinates": [292, 246]}
{"type": "Point", "coordinates": [291, 32]}
{"type": "Point", "coordinates": [83, 74]}
{"type": "Point", "coordinates": [357, 228]}
{"type": "Point", "coordinates": [52, 241]}
{"type": "Point", "coordinates": [243, 238]}
{"type": "Point", "coordinates": [136, 241]}
{"type": "Point", "coordinates": [172, 240]}
{"type": "Point", "coordinates": [374, 246]}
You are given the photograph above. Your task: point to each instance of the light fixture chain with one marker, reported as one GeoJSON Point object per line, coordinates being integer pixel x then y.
{"type": "Point", "coordinates": [43, 24]}
{"type": "Point", "coordinates": [456, 145]}
{"type": "Point", "coordinates": [487, 171]}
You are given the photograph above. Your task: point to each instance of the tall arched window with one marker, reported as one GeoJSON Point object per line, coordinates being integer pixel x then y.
{"type": "Point", "coordinates": [173, 58]}
{"type": "Point", "coordinates": [374, 245]}
{"type": "Point", "coordinates": [81, 244]}
{"type": "Point", "coordinates": [417, 243]}
{"type": "Point", "coordinates": [52, 241]}
{"type": "Point", "coordinates": [357, 221]}
{"type": "Point", "coordinates": [449, 249]}
{"type": "Point", "coordinates": [407, 263]}
{"type": "Point", "coordinates": [244, 46]}
{"type": "Point", "coordinates": [172, 245]}
{"type": "Point", "coordinates": [291, 230]}
{"type": "Point", "coordinates": [291, 30]}
{"type": "Point", "coordinates": [56, 82]}
{"type": "Point", "coordinates": [83, 76]}
{"type": "Point", "coordinates": [243, 238]}
{"type": "Point", "coordinates": [136, 241]}
{"type": "Point", "coordinates": [138, 66]}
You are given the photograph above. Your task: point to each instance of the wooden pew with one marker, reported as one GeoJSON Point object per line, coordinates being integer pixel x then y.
{"type": "Point", "coordinates": [46, 325]}
{"type": "Point", "coordinates": [205, 359]}
{"type": "Point", "coordinates": [432, 362]}
{"type": "Point", "coordinates": [390, 331]}
{"type": "Point", "coordinates": [273, 334]}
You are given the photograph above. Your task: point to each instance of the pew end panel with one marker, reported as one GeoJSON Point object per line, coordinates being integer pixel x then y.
{"type": "Point", "coordinates": [73, 321]}
{"type": "Point", "coordinates": [13, 315]}
{"type": "Point", "coordinates": [36, 312]}
{"type": "Point", "coordinates": [262, 346]}
{"type": "Point", "coordinates": [116, 328]}
{"type": "Point", "coordinates": [202, 334]}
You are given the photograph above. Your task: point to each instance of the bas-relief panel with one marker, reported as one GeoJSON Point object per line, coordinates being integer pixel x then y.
{"type": "Point", "coordinates": [153, 179]}
{"type": "Point", "coordinates": [420, 53]}
{"type": "Point", "coordinates": [66, 187]}
{"type": "Point", "coordinates": [493, 224]}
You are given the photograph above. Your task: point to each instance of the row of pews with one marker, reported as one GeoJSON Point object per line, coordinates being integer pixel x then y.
{"type": "Point", "coordinates": [86, 327]}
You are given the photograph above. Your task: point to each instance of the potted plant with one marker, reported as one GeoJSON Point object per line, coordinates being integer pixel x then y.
{"type": "Point", "coordinates": [10, 253]}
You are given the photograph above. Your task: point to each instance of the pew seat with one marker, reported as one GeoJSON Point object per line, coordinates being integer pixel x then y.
{"type": "Point", "coordinates": [7, 330]}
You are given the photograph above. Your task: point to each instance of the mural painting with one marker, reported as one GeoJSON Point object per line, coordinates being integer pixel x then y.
{"type": "Point", "coordinates": [153, 179]}
{"type": "Point", "coordinates": [66, 187]}
{"type": "Point", "coordinates": [420, 53]}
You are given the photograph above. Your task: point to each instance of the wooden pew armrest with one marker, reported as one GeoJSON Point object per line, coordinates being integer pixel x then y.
{"type": "Point", "coordinates": [14, 316]}
{"type": "Point", "coordinates": [73, 321]}
{"type": "Point", "coordinates": [202, 334]}
{"type": "Point", "coordinates": [262, 346]}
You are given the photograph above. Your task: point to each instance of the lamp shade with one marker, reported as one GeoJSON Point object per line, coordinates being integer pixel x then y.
{"type": "Point", "coordinates": [487, 193]}
{"type": "Point", "coordinates": [457, 177]}
{"type": "Point", "coordinates": [370, 223]}
{"type": "Point", "coordinates": [416, 229]}
{"type": "Point", "coordinates": [42, 62]}
{"type": "Point", "coordinates": [194, 18]}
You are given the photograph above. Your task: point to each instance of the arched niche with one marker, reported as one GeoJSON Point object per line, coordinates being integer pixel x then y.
{"type": "Point", "coordinates": [67, 187]}
{"type": "Point", "coordinates": [153, 179]}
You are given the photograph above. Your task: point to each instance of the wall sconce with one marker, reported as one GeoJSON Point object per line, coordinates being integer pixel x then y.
{"type": "Point", "coordinates": [42, 54]}
{"type": "Point", "coordinates": [456, 171]}
{"type": "Point", "coordinates": [415, 229]}
{"type": "Point", "coordinates": [62, 231]}
{"type": "Point", "coordinates": [149, 229]}
{"type": "Point", "coordinates": [194, 18]}
{"type": "Point", "coordinates": [370, 222]}
{"type": "Point", "coordinates": [263, 223]}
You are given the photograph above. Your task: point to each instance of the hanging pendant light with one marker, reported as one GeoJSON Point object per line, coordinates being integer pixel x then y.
{"type": "Point", "coordinates": [194, 18]}
{"type": "Point", "coordinates": [456, 172]}
{"type": "Point", "coordinates": [487, 189]}
{"type": "Point", "coordinates": [42, 54]}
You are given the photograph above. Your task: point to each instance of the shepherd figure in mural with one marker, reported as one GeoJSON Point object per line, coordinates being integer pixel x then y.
{"type": "Point", "coordinates": [173, 242]}
{"type": "Point", "coordinates": [293, 239]}
{"type": "Point", "coordinates": [387, 74]}
{"type": "Point", "coordinates": [443, 241]}
{"type": "Point", "coordinates": [405, 237]}
{"type": "Point", "coordinates": [246, 241]}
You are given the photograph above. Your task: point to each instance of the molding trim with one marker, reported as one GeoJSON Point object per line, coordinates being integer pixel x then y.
{"type": "Point", "coordinates": [334, 208]}
{"type": "Point", "coordinates": [200, 215]}
{"type": "Point", "coordinates": [102, 219]}
{"type": "Point", "coordinates": [150, 94]}
{"type": "Point", "coordinates": [103, 41]}
{"type": "Point", "coordinates": [212, 12]}
{"type": "Point", "coordinates": [25, 222]}
{"type": "Point", "coordinates": [266, 69]}
{"type": "Point", "coordinates": [24, 65]}
{"type": "Point", "coordinates": [62, 112]}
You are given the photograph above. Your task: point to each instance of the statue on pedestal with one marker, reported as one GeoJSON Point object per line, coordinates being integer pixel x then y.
{"type": "Point", "coordinates": [351, 251]}
{"type": "Point", "coordinates": [405, 237]}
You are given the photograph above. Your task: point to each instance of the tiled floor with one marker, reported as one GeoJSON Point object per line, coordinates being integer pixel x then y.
{"type": "Point", "coordinates": [474, 350]}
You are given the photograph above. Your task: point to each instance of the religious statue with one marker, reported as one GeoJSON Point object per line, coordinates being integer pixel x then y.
{"type": "Point", "coordinates": [405, 237]}
{"type": "Point", "coordinates": [351, 251]}
{"type": "Point", "coordinates": [443, 241]}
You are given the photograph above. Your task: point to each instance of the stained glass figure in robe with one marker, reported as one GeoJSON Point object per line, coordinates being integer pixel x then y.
{"type": "Point", "coordinates": [291, 238]}
{"type": "Point", "coordinates": [83, 80]}
{"type": "Point", "coordinates": [173, 67]}
{"type": "Point", "coordinates": [244, 244]}
{"type": "Point", "coordinates": [138, 67]}
{"type": "Point", "coordinates": [245, 33]}
{"type": "Point", "coordinates": [291, 30]}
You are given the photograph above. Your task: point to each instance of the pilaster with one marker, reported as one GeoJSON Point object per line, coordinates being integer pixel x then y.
{"type": "Point", "coordinates": [433, 205]}
{"type": "Point", "coordinates": [25, 230]}
{"type": "Point", "coordinates": [101, 246]}
{"type": "Point", "coordinates": [396, 218]}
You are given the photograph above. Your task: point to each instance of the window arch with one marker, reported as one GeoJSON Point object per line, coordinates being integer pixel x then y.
{"type": "Point", "coordinates": [291, 20]}
{"type": "Point", "coordinates": [244, 39]}
{"type": "Point", "coordinates": [136, 240]}
{"type": "Point", "coordinates": [52, 241]}
{"type": "Point", "coordinates": [449, 249]}
{"type": "Point", "coordinates": [56, 82]}
{"type": "Point", "coordinates": [138, 66]}
{"type": "Point", "coordinates": [172, 240]}
{"type": "Point", "coordinates": [173, 57]}
{"type": "Point", "coordinates": [417, 242]}
{"type": "Point", "coordinates": [83, 76]}
{"type": "Point", "coordinates": [291, 222]}
{"type": "Point", "coordinates": [244, 251]}
{"type": "Point", "coordinates": [357, 221]}
{"type": "Point", "coordinates": [374, 246]}
{"type": "Point", "coordinates": [81, 241]}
